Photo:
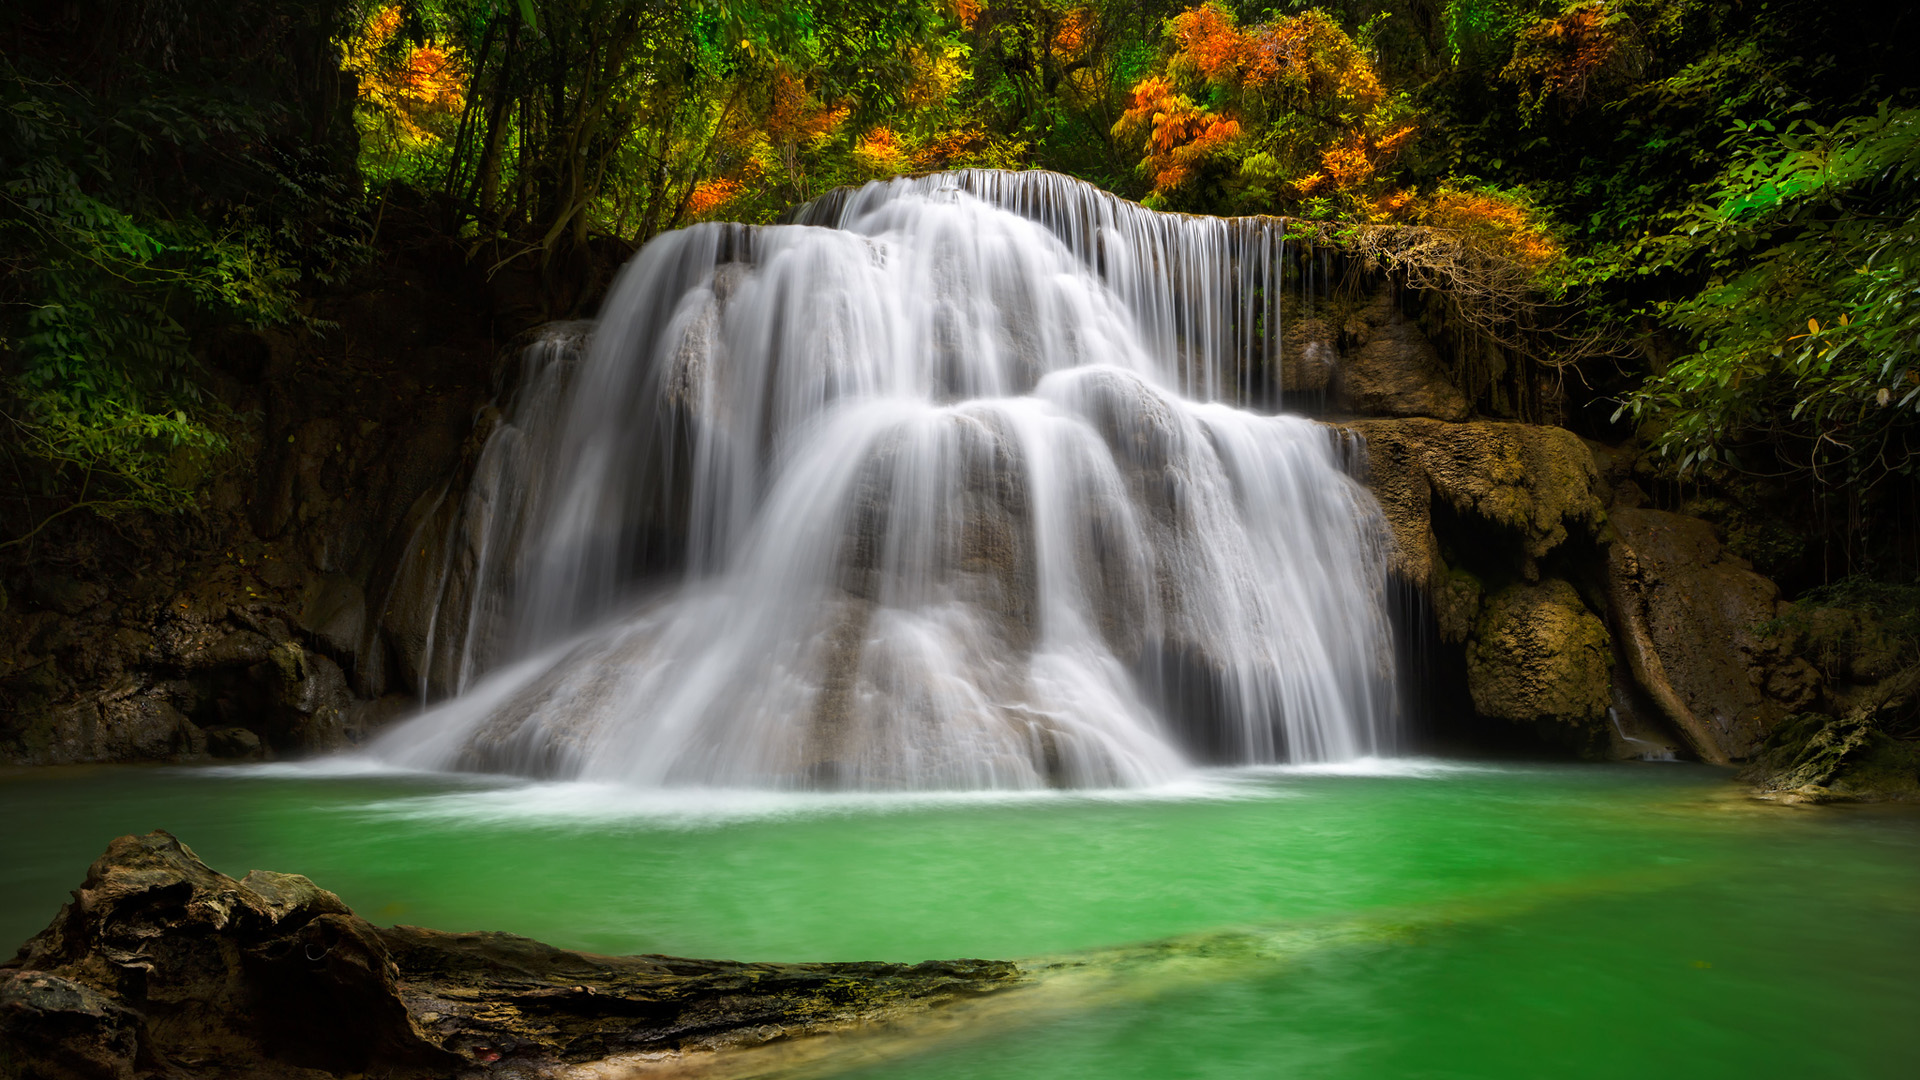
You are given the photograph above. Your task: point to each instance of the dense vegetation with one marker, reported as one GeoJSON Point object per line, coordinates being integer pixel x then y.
{"type": "Point", "coordinates": [1703, 210]}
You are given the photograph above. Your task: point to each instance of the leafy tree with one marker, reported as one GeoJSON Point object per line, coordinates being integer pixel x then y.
{"type": "Point", "coordinates": [188, 181]}
{"type": "Point", "coordinates": [1808, 330]}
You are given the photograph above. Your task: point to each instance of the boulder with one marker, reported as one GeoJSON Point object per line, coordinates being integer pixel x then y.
{"type": "Point", "coordinates": [66, 1029]}
{"type": "Point", "coordinates": [233, 742]}
{"type": "Point", "coordinates": [312, 702]}
{"type": "Point", "coordinates": [174, 967]}
{"type": "Point", "coordinates": [1539, 656]}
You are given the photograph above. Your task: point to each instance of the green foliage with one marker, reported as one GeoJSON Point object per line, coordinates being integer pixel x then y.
{"type": "Point", "coordinates": [1807, 324]}
{"type": "Point", "coordinates": [133, 211]}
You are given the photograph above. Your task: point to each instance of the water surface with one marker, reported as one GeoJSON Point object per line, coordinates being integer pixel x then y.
{"type": "Point", "coordinates": [1512, 921]}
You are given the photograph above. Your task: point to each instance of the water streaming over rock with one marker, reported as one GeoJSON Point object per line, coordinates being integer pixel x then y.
{"type": "Point", "coordinates": [949, 484]}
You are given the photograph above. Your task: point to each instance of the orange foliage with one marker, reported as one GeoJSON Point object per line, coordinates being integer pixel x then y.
{"type": "Point", "coordinates": [425, 79]}
{"type": "Point", "coordinates": [967, 11]}
{"type": "Point", "coordinates": [1307, 54]}
{"type": "Point", "coordinates": [1391, 205]}
{"type": "Point", "coordinates": [1499, 220]}
{"type": "Point", "coordinates": [1564, 55]}
{"type": "Point", "coordinates": [710, 195]}
{"type": "Point", "coordinates": [433, 78]}
{"type": "Point", "coordinates": [1180, 134]}
{"type": "Point", "coordinates": [795, 117]}
{"type": "Point", "coordinates": [943, 149]}
{"type": "Point", "coordinates": [880, 151]}
{"type": "Point", "coordinates": [1074, 33]}
{"type": "Point", "coordinates": [383, 25]}
{"type": "Point", "coordinates": [1211, 44]}
{"type": "Point", "coordinates": [1341, 128]}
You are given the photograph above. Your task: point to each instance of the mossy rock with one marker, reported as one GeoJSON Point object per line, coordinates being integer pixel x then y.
{"type": "Point", "coordinates": [1539, 657]}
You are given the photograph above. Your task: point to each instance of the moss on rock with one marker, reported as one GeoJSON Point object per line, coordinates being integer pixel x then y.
{"type": "Point", "coordinates": [1535, 483]}
{"type": "Point", "coordinates": [1538, 656]}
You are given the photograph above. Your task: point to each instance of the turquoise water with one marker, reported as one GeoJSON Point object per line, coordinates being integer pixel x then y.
{"type": "Point", "coordinates": [1495, 921]}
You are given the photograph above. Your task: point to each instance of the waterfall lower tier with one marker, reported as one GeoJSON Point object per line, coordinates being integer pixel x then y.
{"type": "Point", "coordinates": [921, 500]}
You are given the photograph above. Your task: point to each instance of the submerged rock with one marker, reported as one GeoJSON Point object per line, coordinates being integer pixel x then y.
{"type": "Point", "coordinates": [160, 966]}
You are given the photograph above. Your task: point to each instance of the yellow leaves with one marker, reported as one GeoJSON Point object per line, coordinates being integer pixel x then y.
{"type": "Point", "coordinates": [795, 118]}
{"type": "Point", "coordinates": [381, 27]}
{"type": "Point", "coordinates": [1494, 220]}
{"type": "Point", "coordinates": [936, 78]}
{"type": "Point", "coordinates": [880, 152]}
{"type": "Point", "coordinates": [404, 85]}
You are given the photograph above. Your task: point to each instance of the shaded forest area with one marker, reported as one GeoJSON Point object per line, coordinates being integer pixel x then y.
{"type": "Point", "coordinates": [1694, 220]}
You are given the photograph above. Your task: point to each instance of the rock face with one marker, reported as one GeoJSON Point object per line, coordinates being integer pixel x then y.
{"type": "Point", "coordinates": [134, 640]}
{"type": "Point", "coordinates": [1539, 656]}
{"type": "Point", "coordinates": [1697, 617]}
{"type": "Point", "coordinates": [1389, 368]}
{"type": "Point", "coordinates": [1532, 484]}
{"type": "Point", "coordinates": [162, 967]}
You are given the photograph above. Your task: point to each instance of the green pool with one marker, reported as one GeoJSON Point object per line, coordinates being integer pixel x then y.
{"type": "Point", "coordinates": [1436, 920]}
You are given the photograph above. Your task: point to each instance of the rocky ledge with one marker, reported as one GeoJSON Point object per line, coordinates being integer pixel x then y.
{"type": "Point", "coordinates": [163, 967]}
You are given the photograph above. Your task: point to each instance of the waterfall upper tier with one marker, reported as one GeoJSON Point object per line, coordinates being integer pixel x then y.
{"type": "Point", "coordinates": [950, 485]}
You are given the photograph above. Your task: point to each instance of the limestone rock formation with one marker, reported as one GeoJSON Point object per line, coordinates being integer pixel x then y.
{"type": "Point", "coordinates": [1309, 356]}
{"type": "Point", "coordinates": [161, 967]}
{"type": "Point", "coordinates": [1389, 368]}
{"type": "Point", "coordinates": [1535, 484]}
{"type": "Point", "coordinates": [1695, 617]}
{"type": "Point", "coordinates": [1539, 656]}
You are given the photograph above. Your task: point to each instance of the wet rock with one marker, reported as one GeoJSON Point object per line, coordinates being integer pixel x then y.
{"type": "Point", "coordinates": [1802, 754]}
{"type": "Point", "coordinates": [1539, 656]}
{"type": "Point", "coordinates": [1390, 368]}
{"type": "Point", "coordinates": [64, 595]}
{"type": "Point", "coordinates": [58, 1029]}
{"type": "Point", "coordinates": [312, 699]}
{"type": "Point", "coordinates": [1456, 605]}
{"type": "Point", "coordinates": [161, 966]}
{"type": "Point", "coordinates": [1531, 483]}
{"type": "Point", "coordinates": [334, 610]}
{"type": "Point", "coordinates": [1848, 749]}
{"type": "Point", "coordinates": [225, 976]}
{"type": "Point", "coordinates": [1704, 616]}
{"type": "Point", "coordinates": [143, 727]}
{"type": "Point", "coordinates": [233, 742]}
{"type": "Point", "coordinates": [1309, 356]}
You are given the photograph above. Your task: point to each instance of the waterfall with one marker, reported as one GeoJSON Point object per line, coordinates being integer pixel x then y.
{"type": "Point", "coordinates": [954, 481]}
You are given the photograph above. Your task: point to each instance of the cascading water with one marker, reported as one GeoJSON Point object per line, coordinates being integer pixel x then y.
{"type": "Point", "coordinates": [943, 486]}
